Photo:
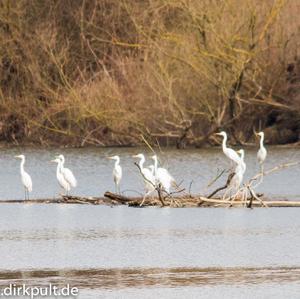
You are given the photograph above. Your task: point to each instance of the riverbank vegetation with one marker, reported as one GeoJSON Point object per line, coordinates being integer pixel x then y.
{"type": "Point", "coordinates": [120, 72]}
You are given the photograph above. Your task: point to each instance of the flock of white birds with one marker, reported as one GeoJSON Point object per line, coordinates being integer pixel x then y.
{"type": "Point", "coordinates": [153, 175]}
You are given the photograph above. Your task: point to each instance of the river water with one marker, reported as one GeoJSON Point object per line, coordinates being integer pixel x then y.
{"type": "Point", "coordinates": [125, 252]}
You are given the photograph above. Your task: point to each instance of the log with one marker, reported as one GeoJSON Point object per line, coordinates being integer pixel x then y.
{"type": "Point", "coordinates": [116, 199]}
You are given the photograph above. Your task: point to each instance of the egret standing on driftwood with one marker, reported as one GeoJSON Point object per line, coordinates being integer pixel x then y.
{"type": "Point", "coordinates": [238, 175]}
{"type": "Point", "coordinates": [148, 177]}
{"type": "Point", "coordinates": [262, 152]}
{"type": "Point", "coordinates": [162, 176]}
{"type": "Point", "coordinates": [242, 163]}
{"type": "Point", "coordinates": [67, 173]}
{"type": "Point", "coordinates": [60, 177]}
{"type": "Point", "coordinates": [117, 172]}
{"type": "Point", "coordinates": [230, 153]}
{"type": "Point", "coordinates": [25, 177]}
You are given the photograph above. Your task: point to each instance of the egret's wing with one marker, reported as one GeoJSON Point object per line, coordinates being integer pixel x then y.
{"type": "Point", "coordinates": [69, 177]}
{"type": "Point", "coordinates": [27, 182]}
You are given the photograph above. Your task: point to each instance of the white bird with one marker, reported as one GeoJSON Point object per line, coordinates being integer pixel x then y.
{"type": "Point", "coordinates": [67, 173]}
{"type": "Point", "coordinates": [25, 177]}
{"type": "Point", "coordinates": [262, 152]}
{"type": "Point", "coordinates": [151, 167]}
{"type": "Point", "coordinates": [162, 176]}
{"type": "Point", "coordinates": [230, 153]}
{"type": "Point", "coordinates": [117, 172]}
{"type": "Point", "coordinates": [60, 177]}
{"type": "Point", "coordinates": [242, 163]}
{"type": "Point", "coordinates": [238, 176]}
{"type": "Point", "coordinates": [148, 177]}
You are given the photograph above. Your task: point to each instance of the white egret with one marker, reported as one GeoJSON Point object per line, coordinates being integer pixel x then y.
{"type": "Point", "coordinates": [237, 178]}
{"type": "Point", "coordinates": [117, 172]}
{"type": "Point", "coordinates": [60, 177]}
{"type": "Point", "coordinates": [262, 152]}
{"type": "Point", "coordinates": [67, 173]}
{"type": "Point", "coordinates": [162, 176]}
{"type": "Point", "coordinates": [148, 177]}
{"type": "Point", "coordinates": [25, 177]}
{"type": "Point", "coordinates": [230, 153]}
{"type": "Point", "coordinates": [242, 163]}
{"type": "Point", "coordinates": [151, 167]}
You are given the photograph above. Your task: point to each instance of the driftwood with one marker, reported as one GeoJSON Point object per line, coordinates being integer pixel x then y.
{"type": "Point", "coordinates": [200, 201]}
{"type": "Point", "coordinates": [190, 201]}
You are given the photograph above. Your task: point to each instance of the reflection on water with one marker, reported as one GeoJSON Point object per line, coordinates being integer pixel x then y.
{"type": "Point", "coordinates": [93, 170]}
{"type": "Point", "coordinates": [151, 277]}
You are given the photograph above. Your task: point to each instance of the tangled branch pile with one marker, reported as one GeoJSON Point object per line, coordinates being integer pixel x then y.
{"type": "Point", "coordinates": [115, 71]}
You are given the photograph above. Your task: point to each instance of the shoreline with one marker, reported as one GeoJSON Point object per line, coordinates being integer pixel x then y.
{"type": "Point", "coordinates": [4, 145]}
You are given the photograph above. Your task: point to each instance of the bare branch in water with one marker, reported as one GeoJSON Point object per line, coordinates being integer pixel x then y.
{"type": "Point", "coordinates": [274, 169]}
{"type": "Point", "coordinates": [230, 176]}
{"type": "Point", "coordinates": [215, 178]}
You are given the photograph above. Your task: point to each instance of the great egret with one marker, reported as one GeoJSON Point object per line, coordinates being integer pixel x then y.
{"type": "Point", "coordinates": [148, 177]}
{"type": "Point", "coordinates": [117, 172]}
{"type": "Point", "coordinates": [60, 177]}
{"type": "Point", "coordinates": [151, 167]}
{"type": "Point", "coordinates": [242, 163]}
{"type": "Point", "coordinates": [238, 176]}
{"type": "Point", "coordinates": [230, 153]}
{"type": "Point", "coordinates": [262, 152]}
{"type": "Point", "coordinates": [67, 173]}
{"type": "Point", "coordinates": [25, 177]}
{"type": "Point", "coordinates": [162, 176]}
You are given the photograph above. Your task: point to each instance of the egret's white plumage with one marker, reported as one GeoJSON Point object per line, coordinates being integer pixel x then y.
{"type": "Point", "coordinates": [262, 152]}
{"type": "Point", "coordinates": [25, 177]}
{"type": "Point", "coordinates": [148, 177]}
{"type": "Point", "coordinates": [67, 173]}
{"type": "Point", "coordinates": [239, 170]}
{"type": "Point", "coordinates": [60, 177]}
{"type": "Point", "coordinates": [162, 176]}
{"type": "Point", "coordinates": [237, 179]}
{"type": "Point", "coordinates": [242, 163]}
{"type": "Point", "coordinates": [230, 153]}
{"type": "Point", "coordinates": [117, 172]}
{"type": "Point", "coordinates": [151, 167]}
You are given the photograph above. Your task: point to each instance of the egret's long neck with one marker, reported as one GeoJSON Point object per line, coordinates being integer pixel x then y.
{"type": "Point", "coordinates": [261, 141]}
{"type": "Point", "coordinates": [155, 165]}
{"type": "Point", "coordinates": [242, 156]}
{"type": "Point", "coordinates": [117, 162]}
{"type": "Point", "coordinates": [224, 142]}
{"type": "Point", "coordinates": [62, 163]}
{"type": "Point", "coordinates": [141, 163]}
{"type": "Point", "coordinates": [58, 168]}
{"type": "Point", "coordinates": [22, 165]}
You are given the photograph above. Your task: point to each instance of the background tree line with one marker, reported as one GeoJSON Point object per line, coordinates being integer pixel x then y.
{"type": "Point", "coordinates": [119, 72]}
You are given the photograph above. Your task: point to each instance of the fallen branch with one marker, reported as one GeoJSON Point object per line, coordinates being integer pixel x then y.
{"type": "Point", "coordinates": [230, 176]}
{"type": "Point", "coordinates": [276, 168]}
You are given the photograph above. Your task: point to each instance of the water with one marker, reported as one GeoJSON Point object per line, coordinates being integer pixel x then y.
{"type": "Point", "coordinates": [125, 252]}
{"type": "Point", "coordinates": [193, 169]}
